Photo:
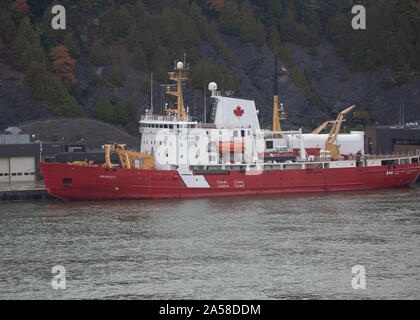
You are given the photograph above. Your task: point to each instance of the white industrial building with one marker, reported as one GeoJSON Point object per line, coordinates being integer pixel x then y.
{"type": "Point", "coordinates": [18, 157]}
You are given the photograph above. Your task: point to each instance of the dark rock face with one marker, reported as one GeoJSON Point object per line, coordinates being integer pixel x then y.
{"type": "Point", "coordinates": [360, 88]}
{"type": "Point", "coordinates": [16, 101]}
{"type": "Point", "coordinates": [256, 77]}
{"type": "Point", "coordinates": [255, 73]}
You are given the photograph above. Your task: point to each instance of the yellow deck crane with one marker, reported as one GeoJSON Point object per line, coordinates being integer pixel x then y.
{"type": "Point", "coordinates": [129, 159]}
{"type": "Point", "coordinates": [332, 137]}
{"type": "Point", "coordinates": [323, 126]}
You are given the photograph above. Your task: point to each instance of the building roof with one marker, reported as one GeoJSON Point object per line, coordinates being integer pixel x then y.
{"type": "Point", "coordinates": [94, 134]}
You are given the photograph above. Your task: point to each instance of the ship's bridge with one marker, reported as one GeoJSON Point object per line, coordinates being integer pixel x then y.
{"type": "Point", "coordinates": [164, 122]}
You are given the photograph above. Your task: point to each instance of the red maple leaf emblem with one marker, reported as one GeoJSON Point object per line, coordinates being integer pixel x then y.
{"type": "Point", "coordinates": [239, 112]}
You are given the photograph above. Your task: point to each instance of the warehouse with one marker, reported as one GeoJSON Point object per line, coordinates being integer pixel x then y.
{"type": "Point", "coordinates": [19, 157]}
{"type": "Point", "coordinates": [387, 140]}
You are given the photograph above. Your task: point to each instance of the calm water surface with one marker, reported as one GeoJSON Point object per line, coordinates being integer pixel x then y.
{"type": "Point", "coordinates": [276, 247]}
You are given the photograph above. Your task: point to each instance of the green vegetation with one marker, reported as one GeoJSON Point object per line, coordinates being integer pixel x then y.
{"type": "Point", "coordinates": [117, 77]}
{"type": "Point", "coordinates": [299, 77]}
{"type": "Point", "coordinates": [158, 32]}
{"type": "Point", "coordinates": [120, 113]}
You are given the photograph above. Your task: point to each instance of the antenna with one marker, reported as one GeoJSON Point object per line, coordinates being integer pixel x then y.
{"type": "Point", "coordinates": [205, 103]}
{"type": "Point", "coordinates": [400, 118]}
{"type": "Point", "coordinates": [276, 76]}
{"type": "Point", "coordinates": [151, 92]}
{"type": "Point", "coordinates": [195, 110]}
{"type": "Point", "coordinates": [403, 115]}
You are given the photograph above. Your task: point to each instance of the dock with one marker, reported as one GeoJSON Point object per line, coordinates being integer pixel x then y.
{"type": "Point", "coordinates": [24, 191]}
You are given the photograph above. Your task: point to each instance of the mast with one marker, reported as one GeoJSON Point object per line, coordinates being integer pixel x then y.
{"type": "Point", "coordinates": [205, 104]}
{"type": "Point", "coordinates": [278, 112]}
{"type": "Point", "coordinates": [180, 75]}
{"type": "Point", "coordinates": [151, 92]}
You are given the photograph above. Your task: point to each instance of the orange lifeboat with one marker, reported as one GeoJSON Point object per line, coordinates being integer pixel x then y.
{"type": "Point", "coordinates": [232, 147]}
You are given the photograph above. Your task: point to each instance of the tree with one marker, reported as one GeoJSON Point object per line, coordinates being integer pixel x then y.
{"type": "Point", "coordinates": [275, 8]}
{"type": "Point", "coordinates": [215, 5]}
{"type": "Point", "coordinates": [105, 110]}
{"type": "Point", "coordinates": [230, 19]}
{"type": "Point", "coordinates": [248, 30]}
{"type": "Point", "coordinates": [27, 46]}
{"type": "Point", "coordinates": [139, 60]}
{"type": "Point", "coordinates": [289, 25]}
{"type": "Point", "coordinates": [121, 113]}
{"type": "Point", "coordinates": [260, 40]}
{"type": "Point", "coordinates": [119, 21]}
{"type": "Point", "coordinates": [275, 44]}
{"type": "Point", "coordinates": [117, 77]}
{"type": "Point", "coordinates": [22, 6]}
{"type": "Point", "coordinates": [36, 77]}
{"type": "Point", "coordinates": [61, 102]}
{"type": "Point", "coordinates": [72, 46]}
{"type": "Point", "coordinates": [133, 38]}
{"type": "Point", "coordinates": [63, 65]}
{"type": "Point", "coordinates": [97, 54]}
{"type": "Point", "coordinates": [7, 26]}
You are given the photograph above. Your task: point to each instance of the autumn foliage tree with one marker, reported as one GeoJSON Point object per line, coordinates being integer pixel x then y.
{"type": "Point", "coordinates": [215, 4]}
{"type": "Point", "coordinates": [22, 6]}
{"type": "Point", "coordinates": [63, 65]}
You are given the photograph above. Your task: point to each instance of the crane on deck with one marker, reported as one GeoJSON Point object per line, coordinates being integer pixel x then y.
{"type": "Point", "coordinates": [332, 137]}
{"type": "Point", "coordinates": [129, 159]}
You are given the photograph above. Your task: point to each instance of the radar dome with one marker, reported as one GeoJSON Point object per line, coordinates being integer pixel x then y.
{"type": "Point", "coordinates": [180, 65]}
{"type": "Point", "coordinates": [212, 86]}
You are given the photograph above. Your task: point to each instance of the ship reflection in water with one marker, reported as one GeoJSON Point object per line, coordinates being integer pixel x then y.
{"type": "Point", "coordinates": [269, 247]}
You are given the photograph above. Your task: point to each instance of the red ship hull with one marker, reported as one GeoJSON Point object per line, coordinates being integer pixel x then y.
{"type": "Point", "coordinates": [81, 183]}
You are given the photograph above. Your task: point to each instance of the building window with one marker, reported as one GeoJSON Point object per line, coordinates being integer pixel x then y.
{"type": "Point", "coordinates": [406, 142]}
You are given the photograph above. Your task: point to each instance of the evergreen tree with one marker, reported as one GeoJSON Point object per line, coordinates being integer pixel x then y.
{"type": "Point", "coordinates": [139, 60]}
{"type": "Point", "coordinates": [133, 38]}
{"type": "Point", "coordinates": [105, 110]}
{"type": "Point", "coordinates": [59, 99]}
{"type": "Point", "coordinates": [275, 8]}
{"type": "Point", "coordinates": [37, 78]}
{"type": "Point", "coordinates": [230, 18]}
{"type": "Point", "coordinates": [7, 26]}
{"type": "Point", "coordinates": [260, 37]}
{"type": "Point", "coordinates": [108, 37]}
{"type": "Point", "coordinates": [121, 113]}
{"type": "Point", "coordinates": [248, 30]}
{"type": "Point", "coordinates": [275, 44]}
{"type": "Point", "coordinates": [289, 26]}
{"type": "Point", "coordinates": [71, 45]}
{"type": "Point", "coordinates": [117, 77]}
{"type": "Point", "coordinates": [97, 54]}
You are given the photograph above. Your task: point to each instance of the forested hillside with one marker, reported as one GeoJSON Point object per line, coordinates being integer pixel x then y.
{"type": "Point", "coordinates": [110, 47]}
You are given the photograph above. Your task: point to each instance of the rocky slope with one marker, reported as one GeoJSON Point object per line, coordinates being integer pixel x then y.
{"type": "Point", "coordinates": [255, 75]}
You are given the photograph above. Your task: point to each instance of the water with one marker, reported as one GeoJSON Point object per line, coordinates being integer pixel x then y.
{"type": "Point", "coordinates": [271, 247]}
